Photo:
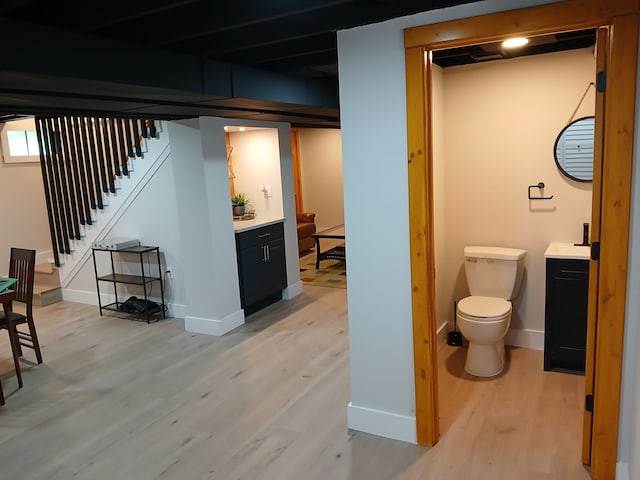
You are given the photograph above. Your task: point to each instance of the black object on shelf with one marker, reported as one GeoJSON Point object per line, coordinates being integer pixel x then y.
{"type": "Point", "coordinates": [141, 308]}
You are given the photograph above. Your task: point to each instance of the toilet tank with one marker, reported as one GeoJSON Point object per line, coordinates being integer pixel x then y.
{"type": "Point", "coordinates": [494, 271]}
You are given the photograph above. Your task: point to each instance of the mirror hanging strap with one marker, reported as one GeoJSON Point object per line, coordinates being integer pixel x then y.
{"type": "Point", "coordinates": [591, 84]}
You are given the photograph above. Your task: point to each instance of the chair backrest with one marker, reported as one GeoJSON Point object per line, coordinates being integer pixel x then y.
{"type": "Point", "coordinates": [22, 265]}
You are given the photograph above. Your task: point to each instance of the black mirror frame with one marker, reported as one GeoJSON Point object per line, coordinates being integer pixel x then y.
{"type": "Point", "coordinates": [555, 154]}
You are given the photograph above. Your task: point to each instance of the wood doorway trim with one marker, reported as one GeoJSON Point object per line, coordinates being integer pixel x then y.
{"type": "Point", "coordinates": [621, 17]}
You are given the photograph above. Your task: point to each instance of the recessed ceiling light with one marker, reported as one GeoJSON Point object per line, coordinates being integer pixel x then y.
{"type": "Point", "coordinates": [515, 42]}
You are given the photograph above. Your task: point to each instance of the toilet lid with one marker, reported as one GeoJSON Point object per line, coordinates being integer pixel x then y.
{"type": "Point", "coordinates": [484, 307]}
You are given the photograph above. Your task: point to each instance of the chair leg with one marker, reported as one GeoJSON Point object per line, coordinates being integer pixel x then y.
{"type": "Point", "coordinates": [1, 394]}
{"type": "Point", "coordinates": [18, 346]}
{"type": "Point", "coordinates": [34, 339]}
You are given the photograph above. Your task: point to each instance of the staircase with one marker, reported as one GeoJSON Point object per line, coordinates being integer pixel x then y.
{"type": "Point", "coordinates": [46, 288]}
{"type": "Point", "coordinates": [93, 168]}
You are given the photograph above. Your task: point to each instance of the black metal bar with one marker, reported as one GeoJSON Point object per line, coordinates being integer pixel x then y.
{"type": "Point", "coordinates": [123, 149]}
{"type": "Point", "coordinates": [76, 161]}
{"type": "Point", "coordinates": [126, 123]}
{"type": "Point", "coordinates": [145, 131]}
{"type": "Point", "coordinates": [93, 161]}
{"type": "Point", "coordinates": [152, 128]}
{"type": "Point", "coordinates": [47, 192]}
{"type": "Point", "coordinates": [101, 155]}
{"type": "Point", "coordinates": [73, 172]}
{"type": "Point", "coordinates": [108, 156]}
{"type": "Point", "coordinates": [62, 176]}
{"type": "Point", "coordinates": [72, 212]}
{"type": "Point", "coordinates": [114, 147]}
{"type": "Point", "coordinates": [86, 195]}
{"type": "Point", "coordinates": [63, 244]}
{"type": "Point", "coordinates": [86, 164]}
{"type": "Point", "coordinates": [136, 137]}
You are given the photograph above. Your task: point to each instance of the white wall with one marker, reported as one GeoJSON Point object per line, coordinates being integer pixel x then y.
{"type": "Point", "coordinates": [185, 208]}
{"type": "Point", "coordinates": [24, 213]}
{"type": "Point", "coordinates": [501, 121]}
{"type": "Point", "coordinates": [256, 162]}
{"type": "Point", "coordinates": [374, 148]}
{"type": "Point", "coordinates": [321, 175]}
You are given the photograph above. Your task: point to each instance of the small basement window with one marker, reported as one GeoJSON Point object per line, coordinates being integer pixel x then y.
{"type": "Point", "coordinates": [19, 141]}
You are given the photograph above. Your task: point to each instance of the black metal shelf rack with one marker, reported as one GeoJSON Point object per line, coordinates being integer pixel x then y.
{"type": "Point", "coordinates": [147, 278]}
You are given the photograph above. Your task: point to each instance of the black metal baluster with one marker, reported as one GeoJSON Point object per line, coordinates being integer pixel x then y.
{"type": "Point", "coordinates": [54, 141]}
{"type": "Point", "coordinates": [126, 123]}
{"type": "Point", "coordinates": [145, 131]}
{"type": "Point", "coordinates": [123, 149]}
{"type": "Point", "coordinates": [111, 171]}
{"type": "Point", "coordinates": [93, 161]}
{"type": "Point", "coordinates": [136, 137]}
{"type": "Point", "coordinates": [86, 163]}
{"type": "Point", "coordinates": [113, 126]}
{"type": "Point", "coordinates": [76, 158]}
{"type": "Point", "coordinates": [44, 154]}
{"type": "Point", "coordinates": [101, 155]}
{"type": "Point", "coordinates": [86, 196]}
{"type": "Point", "coordinates": [152, 128]}
{"type": "Point", "coordinates": [69, 193]}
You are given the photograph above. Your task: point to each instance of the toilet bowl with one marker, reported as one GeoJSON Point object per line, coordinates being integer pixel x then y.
{"type": "Point", "coordinates": [494, 275]}
{"type": "Point", "coordinates": [484, 321]}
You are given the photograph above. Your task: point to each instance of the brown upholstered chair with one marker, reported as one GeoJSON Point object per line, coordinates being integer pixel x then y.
{"type": "Point", "coordinates": [22, 265]}
{"type": "Point", "coordinates": [306, 228]}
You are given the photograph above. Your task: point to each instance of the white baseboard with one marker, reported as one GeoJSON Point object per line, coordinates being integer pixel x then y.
{"type": "Point", "coordinates": [442, 333]}
{"type": "Point", "coordinates": [292, 291]}
{"type": "Point", "coordinates": [383, 424]}
{"type": "Point", "coordinates": [212, 326]}
{"type": "Point", "coordinates": [80, 296]}
{"type": "Point", "coordinates": [525, 338]}
{"type": "Point", "coordinates": [622, 471]}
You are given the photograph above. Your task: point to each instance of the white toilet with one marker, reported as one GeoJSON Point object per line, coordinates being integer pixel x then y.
{"type": "Point", "coordinates": [494, 275]}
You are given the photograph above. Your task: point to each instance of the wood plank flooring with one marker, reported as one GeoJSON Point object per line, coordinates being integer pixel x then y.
{"type": "Point", "coordinates": [120, 399]}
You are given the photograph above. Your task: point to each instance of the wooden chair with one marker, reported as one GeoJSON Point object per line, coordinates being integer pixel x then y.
{"type": "Point", "coordinates": [22, 265]}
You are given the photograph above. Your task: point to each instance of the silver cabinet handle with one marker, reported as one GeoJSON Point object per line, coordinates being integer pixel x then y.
{"type": "Point", "coordinates": [268, 234]}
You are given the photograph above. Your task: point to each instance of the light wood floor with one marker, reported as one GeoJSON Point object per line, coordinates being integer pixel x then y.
{"type": "Point", "coordinates": [120, 399]}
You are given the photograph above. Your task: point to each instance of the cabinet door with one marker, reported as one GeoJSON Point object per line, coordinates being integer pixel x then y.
{"type": "Point", "coordinates": [263, 272]}
{"type": "Point", "coordinates": [566, 314]}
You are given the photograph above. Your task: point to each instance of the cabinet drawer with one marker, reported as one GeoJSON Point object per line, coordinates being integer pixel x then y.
{"type": "Point", "coordinates": [259, 235]}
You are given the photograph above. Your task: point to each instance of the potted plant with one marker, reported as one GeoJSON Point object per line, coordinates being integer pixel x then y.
{"type": "Point", "coordinates": [239, 201]}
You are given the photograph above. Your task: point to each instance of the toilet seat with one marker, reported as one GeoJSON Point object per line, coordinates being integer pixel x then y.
{"type": "Point", "coordinates": [480, 308]}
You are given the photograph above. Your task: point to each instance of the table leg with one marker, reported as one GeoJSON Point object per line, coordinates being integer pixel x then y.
{"type": "Point", "coordinates": [13, 338]}
{"type": "Point", "coordinates": [317, 253]}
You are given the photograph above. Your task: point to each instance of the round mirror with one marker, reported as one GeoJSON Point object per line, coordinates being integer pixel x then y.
{"type": "Point", "coordinates": [573, 150]}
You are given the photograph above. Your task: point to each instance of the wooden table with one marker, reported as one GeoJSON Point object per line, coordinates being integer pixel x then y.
{"type": "Point", "coordinates": [335, 253]}
{"type": "Point", "coordinates": [6, 298]}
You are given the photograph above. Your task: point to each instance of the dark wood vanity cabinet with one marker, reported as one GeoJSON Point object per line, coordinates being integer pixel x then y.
{"type": "Point", "coordinates": [565, 329]}
{"type": "Point", "coordinates": [261, 266]}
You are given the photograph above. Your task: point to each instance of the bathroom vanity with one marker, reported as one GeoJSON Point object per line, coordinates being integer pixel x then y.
{"type": "Point", "coordinates": [261, 262]}
{"type": "Point", "coordinates": [567, 289]}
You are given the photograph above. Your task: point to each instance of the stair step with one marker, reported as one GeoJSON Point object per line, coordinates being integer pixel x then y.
{"type": "Point", "coordinates": [47, 274]}
{"type": "Point", "coordinates": [44, 294]}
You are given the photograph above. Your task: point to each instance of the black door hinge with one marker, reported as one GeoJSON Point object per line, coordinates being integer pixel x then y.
{"type": "Point", "coordinates": [595, 251]}
{"type": "Point", "coordinates": [601, 81]}
{"type": "Point", "coordinates": [588, 403]}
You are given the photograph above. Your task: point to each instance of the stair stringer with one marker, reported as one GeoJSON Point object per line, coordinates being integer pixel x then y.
{"type": "Point", "coordinates": [115, 206]}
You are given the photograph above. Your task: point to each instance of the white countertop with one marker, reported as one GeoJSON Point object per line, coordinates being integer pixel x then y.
{"type": "Point", "coordinates": [244, 225]}
{"type": "Point", "coordinates": [568, 251]}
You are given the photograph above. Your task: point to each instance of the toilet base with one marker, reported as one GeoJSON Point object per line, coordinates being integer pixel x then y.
{"type": "Point", "coordinates": [485, 360]}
